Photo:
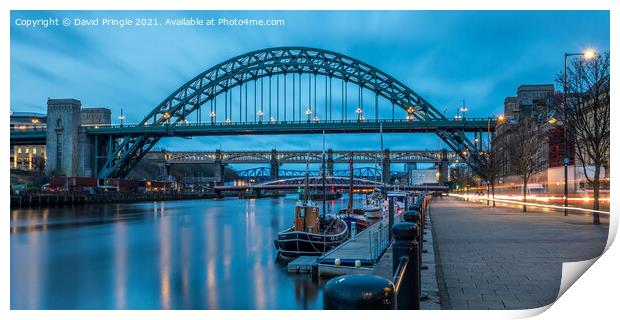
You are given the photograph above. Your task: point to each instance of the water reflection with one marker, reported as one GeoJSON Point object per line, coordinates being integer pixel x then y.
{"type": "Point", "coordinates": [201, 254]}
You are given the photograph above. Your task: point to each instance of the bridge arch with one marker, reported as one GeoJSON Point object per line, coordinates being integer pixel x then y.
{"type": "Point", "coordinates": [266, 63]}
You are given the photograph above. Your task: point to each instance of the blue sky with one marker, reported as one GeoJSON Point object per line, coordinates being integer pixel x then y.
{"type": "Point", "coordinates": [445, 56]}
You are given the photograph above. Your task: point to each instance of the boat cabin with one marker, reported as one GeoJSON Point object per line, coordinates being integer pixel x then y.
{"type": "Point", "coordinates": [307, 218]}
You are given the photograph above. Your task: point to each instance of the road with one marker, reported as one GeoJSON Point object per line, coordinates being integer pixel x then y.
{"type": "Point", "coordinates": [502, 258]}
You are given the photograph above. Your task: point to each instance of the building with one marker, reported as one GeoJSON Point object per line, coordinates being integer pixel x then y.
{"type": "Point", "coordinates": [67, 151]}
{"type": "Point", "coordinates": [28, 157]}
{"type": "Point", "coordinates": [533, 102]}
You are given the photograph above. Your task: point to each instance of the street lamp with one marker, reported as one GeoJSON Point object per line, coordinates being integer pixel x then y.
{"type": "Point", "coordinates": [121, 118]}
{"type": "Point", "coordinates": [587, 54]}
{"type": "Point", "coordinates": [212, 115]}
{"type": "Point", "coordinates": [228, 121]}
{"type": "Point", "coordinates": [308, 113]}
{"type": "Point", "coordinates": [463, 109]}
{"type": "Point", "coordinates": [359, 113]}
{"type": "Point", "coordinates": [260, 115]}
{"type": "Point", "coordinates": [272, 120]}
{"type": "Point", "coordinates": [34, 123]}
{"type": "Point", "coordinates": [167, 116]}
{"type": "Point", "coordinates": [315, 119]}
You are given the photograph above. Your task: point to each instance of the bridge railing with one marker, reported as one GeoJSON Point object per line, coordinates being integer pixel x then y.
{"type": "Point", "coordinates": [236, 123]}
{"type": "Point", "coordinates": [29, 128]}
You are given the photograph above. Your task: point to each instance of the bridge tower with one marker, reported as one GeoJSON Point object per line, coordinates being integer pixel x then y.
{"type": "Point", "coordinates": [218, 168]}
{"type": "Point", "coordinates": [444, 167]}
{"type": "Point", "coordinates": [330, 162]}
{"type": "Point", "coordinates": [63, 121]}
{"type": "Point", "coordinates": [273, 170]}
{"type": "Point", "coordinates": [385, 165]}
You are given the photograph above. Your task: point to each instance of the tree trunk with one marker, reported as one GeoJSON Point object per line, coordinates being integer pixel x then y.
{"type": "Point", "coordinates": [596, 185]}
{"type": "Point", "coordinates": [524, 195]}
{"type": "Point", "coordinates": [493, 191]}
{"type": "Point", "coordinates": [488, 186]}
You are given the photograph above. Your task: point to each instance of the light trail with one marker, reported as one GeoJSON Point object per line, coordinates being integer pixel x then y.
{"type": "Point", "coordinates": [475, 197]}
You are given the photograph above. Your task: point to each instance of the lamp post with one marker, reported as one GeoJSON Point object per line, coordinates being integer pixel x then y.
{"type": "Point", "coordinates": [463, 110]}
{"type": "Point", "coordinates": [212, 115]}
{"type": "Point", "coordinates": [167, 117]}
{"type": "Point", "coordinates": [121, 118]}
{"type": "Point", "coordinates": [308, 113]}
{"type": "Point", "coordinates": [587, 54]}
{"type": "Point", "coordinates": [359, 114]}
{"type": "Point", "coordinates": [260, 115]}
{"type": "Point", "coordinates": [410, 112]}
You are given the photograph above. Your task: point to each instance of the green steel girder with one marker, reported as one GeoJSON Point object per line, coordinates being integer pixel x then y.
{"type": "Point", "coordinates": [251, 66]}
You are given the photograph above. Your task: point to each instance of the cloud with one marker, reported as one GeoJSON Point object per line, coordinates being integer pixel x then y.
{"type": "Point", "coordinates": [445, 56]}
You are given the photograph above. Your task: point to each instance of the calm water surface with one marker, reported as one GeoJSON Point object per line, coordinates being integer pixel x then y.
{"type": "Point", "coordinates": [197, 254]}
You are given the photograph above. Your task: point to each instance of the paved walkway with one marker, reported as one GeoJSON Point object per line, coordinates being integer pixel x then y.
{"type": "Point", "coordinates": [502, 258]}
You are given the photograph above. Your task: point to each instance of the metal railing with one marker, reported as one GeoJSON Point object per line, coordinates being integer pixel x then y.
{"type": "Point", "coordinates": [403, 291]}
{"type": "Point", "coordinates": [379, 240]}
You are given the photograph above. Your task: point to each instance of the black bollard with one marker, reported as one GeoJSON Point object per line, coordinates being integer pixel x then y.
{"type": "Point", "coordinates": [414, 217]}
{"type": "Point", "coordinates": [415, 207]}
{"type": "Point", "coordinates": [405, 246]}
{"type": "Point", "coordinates": [390, 216]}
{"type": "Point", "coordinates": [359, 292]}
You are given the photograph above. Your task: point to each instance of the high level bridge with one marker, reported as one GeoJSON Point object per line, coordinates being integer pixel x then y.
{"type": "Point", "coordinates": [276, 158]}
{"type": "Point", "coordinates": [283, 90]}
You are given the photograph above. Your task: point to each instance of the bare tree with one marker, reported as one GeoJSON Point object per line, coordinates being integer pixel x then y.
{"type": "Point", "coordinates": [525, 152]}
{"type": "Point", "coordinates": [492, 168]}
{"type": "Point", "coordinates": [586, 113]}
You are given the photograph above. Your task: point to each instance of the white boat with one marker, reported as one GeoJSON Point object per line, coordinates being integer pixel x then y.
{"type": "Point", "coordinates": [373, 206]}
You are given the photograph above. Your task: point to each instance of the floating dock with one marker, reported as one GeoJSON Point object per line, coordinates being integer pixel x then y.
{"type": "Point", "coordinates": [303, 264]}
{"type": "Point", "coordinates": [356, 256]}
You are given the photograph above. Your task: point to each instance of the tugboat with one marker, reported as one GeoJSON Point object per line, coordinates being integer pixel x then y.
{"type": "Point", "coordinates": [312, 234]}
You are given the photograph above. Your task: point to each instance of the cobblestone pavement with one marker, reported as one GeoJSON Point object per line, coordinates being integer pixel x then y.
{"type": "Point", "coordinates": [502, 258]}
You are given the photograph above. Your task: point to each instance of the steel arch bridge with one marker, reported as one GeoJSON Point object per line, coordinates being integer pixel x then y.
{"type": "Point", "coordinates": [127, 145]}
{"type": "Point", "coordinates": [264, 173]}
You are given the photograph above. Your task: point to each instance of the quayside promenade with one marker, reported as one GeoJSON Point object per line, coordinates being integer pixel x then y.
{"type": "Point", "coordinates": [503, 258]}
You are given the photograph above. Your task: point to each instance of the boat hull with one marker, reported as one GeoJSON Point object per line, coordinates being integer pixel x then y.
{"type": "Point", "coordinates": [296, 243]}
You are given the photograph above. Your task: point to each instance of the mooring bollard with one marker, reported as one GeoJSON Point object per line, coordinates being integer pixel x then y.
{"type": "Point", "coordinates": [359, 292]}
{"type": "Point", "coordinates": [414, 206]}
{"type": "Point", "coordinates": [390, 216]}
{"type": "Point", "coordinates": [416, 217]}
{"type": "Point", "coordinates": [353, 230]}
{"type": "Point", "coordinates": [405, 249]}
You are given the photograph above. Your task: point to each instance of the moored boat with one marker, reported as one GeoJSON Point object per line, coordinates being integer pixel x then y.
{"type": "Point", "coordinates": [312, 234]}
{"type": "Point", "coordinates": [373, 206]}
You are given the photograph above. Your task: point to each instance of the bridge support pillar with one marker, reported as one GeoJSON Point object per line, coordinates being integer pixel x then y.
{"type": "Point", "coordinates": [63, 122]}
{"type": "Point", "coordinates": [273, 170]}
{"type": "Point", "coordinates": [444, 167]}
{"type": "Point", "coordinates": [385, 165]}
{"type": "Point", "coordinates": [330, 162]}
{"type": "Point", "coordinates": [218, 168]}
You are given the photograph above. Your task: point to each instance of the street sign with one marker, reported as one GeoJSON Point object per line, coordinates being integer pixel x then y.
{"type": "Point", "coordinates": [566, 161]}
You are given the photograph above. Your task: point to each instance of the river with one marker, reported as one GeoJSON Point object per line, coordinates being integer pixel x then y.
{"type": "Point", "coordinates": [193, 254]}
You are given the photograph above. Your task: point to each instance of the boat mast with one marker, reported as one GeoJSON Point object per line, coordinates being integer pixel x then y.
{"type": "Point", "coordinates": [323, 173]}
{"type": "Point", "coordinates": [381, 154]}
{"type": "Point", "coordinates": [350, 205]}
{"type": "Point", "coordinates": [306, 184]}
